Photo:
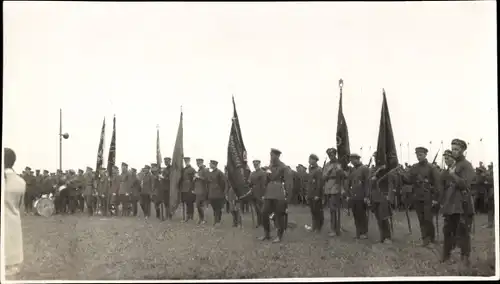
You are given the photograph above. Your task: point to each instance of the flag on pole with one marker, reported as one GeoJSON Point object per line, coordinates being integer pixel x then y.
{"type": "Point", "coordinates": [343, 150]}
{"type": "Point", "coordinates": [386, 146]}
{"type": "Point", "coordinates": [112, 150]}
{"type": "Point", "coordinates": [176, 169]}
{"type": "Point", "coordinates": [100, 150]}
{"type": "Point", "coordinates": [237, 167]}
{"type": "Point", "coordinates": [158, 153]}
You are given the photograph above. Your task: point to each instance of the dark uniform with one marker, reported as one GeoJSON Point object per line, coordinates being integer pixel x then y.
{"type": "Point", "coordinates": [216, 190]}
{"type": "Point", "coordinates": [303, 180]}
{"type": "Point", "coordinates": [457, 207]}
{"type": "Point", "coordinates": [125, 191]}
{"type": "Point", "coordinates": [357, 192]}
{"type": "Point", "coordinates": [30, 189]}
{"type": "Point", "coordinates": [333, 177]}
{"type": "Point", "coordinates": [258, 182]}
{"type": "Point", "coordinates": [157, 192]}
{"type": "Point", "coordinates": [275, 197]}
{"type": "Point", "coordinates": [426, 186]}
{"type": "Point", "coordinates": [166, 186]}
{"type": "Point", "coordinates": [114, 191]}
{"type": "Point", "coordinates": [146, 191]}
{"type": "Point", "coordinates": [89, 192]}
{"type": "Point", "coordinates": [187, 189]}
{"type": "Point", "coordinates": [491, 198]}
{"type": "Point", "coordinates": [80, 200]}
{"type": "Point", "coordinates": [315, 194]}
{"type": "Point", "coordinates": [201, 190]}
{"type": "Point", "coordinates": [379, 201]}
{"type": "Point", "coordinates": [73, 192]}
{"type": "Point", "coordinates": [135, 195]}
{"type": "Point", "coordinates": [233, 202]}
{"type": "Point", "coordinates": [103, 190]}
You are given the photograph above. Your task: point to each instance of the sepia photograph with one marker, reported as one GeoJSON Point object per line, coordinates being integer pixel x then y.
{"type": "Point", "coordinates": [249, 141]}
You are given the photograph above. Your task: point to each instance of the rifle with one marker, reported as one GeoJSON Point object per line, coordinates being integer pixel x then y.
{"type": "Point", "coordinates": [435, 157]}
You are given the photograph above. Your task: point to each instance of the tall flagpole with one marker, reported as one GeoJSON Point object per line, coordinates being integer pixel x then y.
{"type": "Point", "coordinates": [408, 148]}
{"type": "Point", "coordinates": [430, 147]}
{"type": "Point", "coordinates": [442, 156]}
{"type": "Point", "coordinates": [401, 152]}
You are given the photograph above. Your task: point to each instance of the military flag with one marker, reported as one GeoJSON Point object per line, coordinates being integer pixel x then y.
{"type": "Point", "coordinates": [112, 150]}
{"type": "Point", "coordinates": [177, 168]}
{"type": "Point", "coordinates": [343, 150]}
{"type": "Point", "coordinates": [100, 150]}
{"type": "Point", "coordinates": [237, 166]}
{"type": "Point", "coordinates": [158, 153]}
{"type": "Point", "coordinates": [386, 146]}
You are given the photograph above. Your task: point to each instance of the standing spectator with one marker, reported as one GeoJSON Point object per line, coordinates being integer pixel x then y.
{"type": "Point", "coordinates": [15, 188]}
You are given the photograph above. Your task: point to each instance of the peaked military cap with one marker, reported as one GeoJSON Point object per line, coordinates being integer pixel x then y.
{"type": "Point", "coordinates": [187, 158]}
{"type": "Point", "coordinates": [356, 156]}
{"type": "Point", "coordinates": [115, 167]}
{"type": "Point", "coordinates": [27, 169]}
{"type": "Point", "coordinates": [421, 150]}
{"type": "Point", "coordinates": [214, 162]}
{"type": "Point", "coordinates": [300, 166]}
{"type": "Point", "coordinates": [147, 167]}
{"type": "Point", "coordinates": [460, 143]}
{"type": "Point", "coordinates": [314, 157]}
{"type": "Point", "coordinates": [167, 158]}
{"type": "Point", "coordinates": [275, 151]}
{"type": "Point", "coordinates": [154, 165]}
{"type": "Point", "coordinates": [45, 171]}
{"type": "Point", "coordinates": [256, 161]}
{"type": "Point", "coordinates": [133, 170]}
{"type": "Point", "coordinates": [80, 170]}
{"type": "Point", "coordinates": [447, 153]}
{"type": "Point", "coordinates": [199, 160]}
{"type": "Point", "coordinates": [124, 164]}
{"type": "Point", "coordinates": [89, 168]}
{"type": "Point", "coordinates": [331, 151]}
{"type": "Point", "coordinates": [37, 171]}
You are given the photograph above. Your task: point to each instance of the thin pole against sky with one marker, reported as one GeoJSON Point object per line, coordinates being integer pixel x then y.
{"type": "Point", "coordinates": [60, 139]}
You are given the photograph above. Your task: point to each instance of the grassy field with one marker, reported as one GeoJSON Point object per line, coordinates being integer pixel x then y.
{"type": "Point", "coordinates": [97, 248]}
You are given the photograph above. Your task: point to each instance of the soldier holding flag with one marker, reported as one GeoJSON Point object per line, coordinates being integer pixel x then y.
{"type": "Point", "coordinates": [333, 176]}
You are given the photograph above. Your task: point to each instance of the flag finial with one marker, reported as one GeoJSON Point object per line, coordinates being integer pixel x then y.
{"type": "Point", "coordinates": [181, 108]}
{"type": "Point", "coordinates": [341, 83]}
{"type": "Point", "coordinates": [157, 126]}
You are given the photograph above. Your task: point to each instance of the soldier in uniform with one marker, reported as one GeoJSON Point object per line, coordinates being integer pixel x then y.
{"type": "Point", "coordinates": [30, 190]}
{"type": "Point", "coordinates": [232, 201]}
{"type": "Point", "coordinates": [457, 206]}
{"type": "Point", "coordinates": [166, 186]}
{"type": "Point", "coordinates": [157, 194]}
{"type": "Point", "coordinates": [72, 191]}
{"type": "Point", "coordinates": [258, 182]}
{"type": "Point", "coordinates": [135, 185]}
{"type": "Point", "coordinates": [103, 191]}
{"type": "Point", "coordinates": [124, 190]}
{"type": "Point", "coordinates": [114, 190]}
{"type": "Point", "coordinates": [80, 201]}
{"type": "Point", "coordinates": [426, 186]}
{"type": "Point", "coordinates": [315, 194]}
{"type": "Point", "coordinates": [357, 192]}
{"type": "Point", "coordinates": [491, 199]}
{"type": "Point", "coordinates": [333, 177]}
{"type": "Point", "coordinates": [216, 190]}
{"type": "Point", "coordinates": [303, 180]}
{"type": "Point", "coordinates": [89, 192]}
{"type": "Point", "coordinates": [201, 189]}
{"type": "Point", "coordinates": [146, 191]}
{"type": "Point", "coordinates": [274, 197]}
{"type": "Point", "coordinates": [187, 189]}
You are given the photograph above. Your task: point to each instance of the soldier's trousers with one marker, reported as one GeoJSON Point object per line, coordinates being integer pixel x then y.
{"type": "Point", "coordinates": [456, 230]}
{"type": "Point", "coordinates": [28, 202]}
{"type": "Point", "coordinates": [360, 215]}
{"type": "Point", "coordinates": [102, 201]}
{"type": "Point", "coordinates": [259, 204]}
{"type": "Point", "coordinates": [188, 199]}
{"type": "Point", "coordinates": [134, 200]}
{"type": "Point", "coordinates": [217, 205]}
{"type": "Point", "coordinates": [425, 219]}
{"type": "Point", "coordinates": [334, 203]}
{"type": "Point", "coordinates": [158, 203]}
{"type": "Point", "coordinates": [91, 201]}
{"type": "Point", "coordinates": [491, 211]}
{"type": "Point", "coordinates": [278, 207]}
{"type": "Point", "coordinates": [124, 201]}
{"type": "Point", "coordinates": [81, 202]}
{"type": "Point", "coordinates": [200, 207]}
{"type": "Point", "coordinates": [382, 212]}
{"type": "Point", "coordinates": [146, 204]}
{"type": "Point", "coordinates": [317, 214]}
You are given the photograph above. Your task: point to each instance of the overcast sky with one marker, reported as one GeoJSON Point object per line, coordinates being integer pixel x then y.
{"type": "Point", "coordinates": [282, 62]}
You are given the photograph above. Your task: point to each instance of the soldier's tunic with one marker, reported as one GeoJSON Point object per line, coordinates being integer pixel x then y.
{"type": "Point", "coordinates": [80, 200]}
{"type": "Point", "coordinates": [30, 192]}
{"type": "Point", "coordinates": [258, 182]}
{"type": "Point", "coordinates": [425, 181]}
{"type": "Point", "coordinates": [357, 190]}
{"type": "Point", "coordinates": [216, 192]}
{"type": "Point", "coordinates": [333, 177]}
{"type": "Point", "coordinates": [314, 197]}
{"type": "Point", "coordinates": [187, 191]}
{"type": "Point", "coordinates": [146, 191]}
{"type": "Point", "coordinates": [234, 206]}
{"type": "Point", "coordinates": [275, 199]}
{"type": "Point", "coordinates": [135, 193]}
{"type": "Point", "coordinates": [157, 194]}
{"type": "Point", "coordinates": [379, 198]}
{"type": "Point", "coordinates": [103, 189]}
{"type": "Point", "coordinates": [72, 190]}
{"type": "Point", "coordinates": [457, 208]}
{"type": "Point", "coordinates": [114, 190]}
{"type": "Point", "coordinates": [303, 179]}
{"type": "Point", "coordinates": [124, 192]}
{"type": "Point", "coordinates": [201, 191]}
{"type": "Point", "coordinates": [88, 193]}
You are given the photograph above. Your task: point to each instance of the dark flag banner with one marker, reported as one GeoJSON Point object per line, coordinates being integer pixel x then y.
{"type": "Point", "coordinates": [343, 150]}
{"type": "Point", "coordinates": [237, 166]}
{"type": "Point", "coordinates": [100, 150]}
{"type": "Point", "coordinates": [386, 146]}
{"type": "Point", "coordinates": [112, 150]}
{"type": "Point", "coordinates": [176, 169]}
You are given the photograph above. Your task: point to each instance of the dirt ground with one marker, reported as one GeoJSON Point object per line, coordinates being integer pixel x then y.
{"type": "Point", "coordinates": [132, 248]}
